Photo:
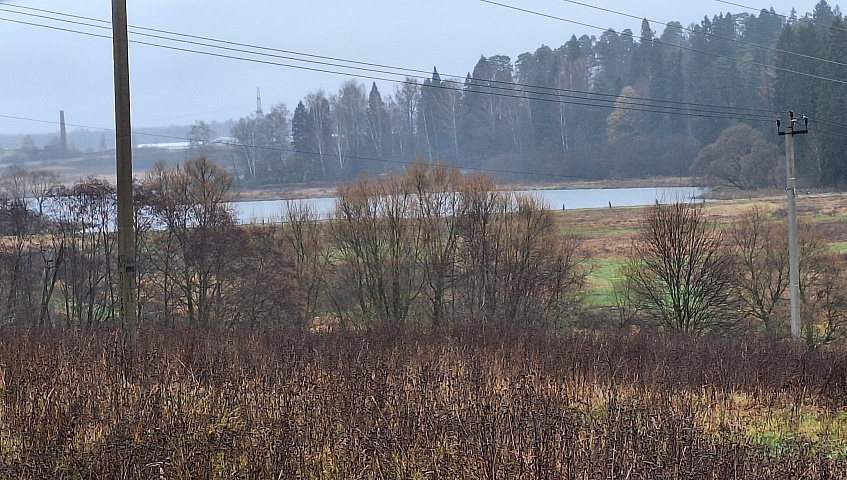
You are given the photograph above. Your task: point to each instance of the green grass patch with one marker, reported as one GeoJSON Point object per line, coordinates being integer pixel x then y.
{"type": "Point", "coordinates": [783, 431]}
{"type": "Point", "coordinates": [600, 281]}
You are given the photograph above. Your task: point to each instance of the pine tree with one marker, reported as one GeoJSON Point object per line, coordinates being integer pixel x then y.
{"type": "Point", "coordinates": [832, 99]}
{"type": "Point", "coordinates": [430, 121]}
{"type": "Point", "coordinates": [379, 130]}
{"type": "Point", "coordinates": [300, 129]}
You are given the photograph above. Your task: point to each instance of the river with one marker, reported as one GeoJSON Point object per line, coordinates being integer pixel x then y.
{"type": "Point", "coordinates": [273, 210]}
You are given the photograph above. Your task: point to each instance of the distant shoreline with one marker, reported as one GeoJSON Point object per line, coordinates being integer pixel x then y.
{"type": "Point", "coordinates": [327, 189]}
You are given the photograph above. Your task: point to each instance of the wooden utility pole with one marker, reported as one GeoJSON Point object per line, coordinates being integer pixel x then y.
{"type": "Point", "coordinates": [793, 248]}
{"type": "Point", "coordinates": [126, 233]}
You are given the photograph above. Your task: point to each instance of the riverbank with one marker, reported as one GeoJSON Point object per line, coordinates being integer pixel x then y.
{"type": "Point", "coordinates": [608, 233]}
{"type": "Point", "coordinates": [327, 189]}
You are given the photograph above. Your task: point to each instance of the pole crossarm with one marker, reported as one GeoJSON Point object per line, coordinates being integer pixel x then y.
{"type": "Point", "coordinates": [791, 193]}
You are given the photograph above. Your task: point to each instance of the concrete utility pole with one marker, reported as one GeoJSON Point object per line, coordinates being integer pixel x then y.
{"type": "Point", "coordinates": [791, 192]}
{"type": "Point", "coordinates": [126, 231]}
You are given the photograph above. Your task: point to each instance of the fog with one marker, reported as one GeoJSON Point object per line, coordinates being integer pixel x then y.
{"type": "Point", "coordinates": [46, 69]}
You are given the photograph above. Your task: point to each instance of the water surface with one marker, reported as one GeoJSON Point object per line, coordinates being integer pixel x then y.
{"type": "Point", "coordinates": [274, 210]}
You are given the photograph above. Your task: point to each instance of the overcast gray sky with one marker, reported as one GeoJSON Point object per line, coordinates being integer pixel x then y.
{"type": "Point", "coordinates": [45, 70]}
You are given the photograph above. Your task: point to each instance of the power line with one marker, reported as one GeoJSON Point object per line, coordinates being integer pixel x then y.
{"type": "Point", "coordinates": [824, 132]}
{"type": "Point", "coordinates": [557, 93]}
{"type": "Point", "coordinates": [227, 42]}
{"type": "Point", "coordinates": [787, 18]}
{"type": "Point", "coordinates": [300, 152]}
{"type": "Point", "coordinates": [552, 94]}
{"type": "Point", "coordinates": [716, 55]}
{"type": "Point", "coordinates": [511, 85]}
{"type": "Point", "coordinates": [513, 90]}
{"type": "Point", "coordinates": [635, 104]}
{"type": "Point", "coordinates": [712, 35]}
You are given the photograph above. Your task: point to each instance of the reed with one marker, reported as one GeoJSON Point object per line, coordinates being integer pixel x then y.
{"type": "Point", "coordinates": [468, 401]}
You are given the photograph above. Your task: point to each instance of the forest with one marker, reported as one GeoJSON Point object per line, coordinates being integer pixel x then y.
{"type": "Point", "coordinates": [427, 246]}
{"type": "Point", "coordinates": [699, 100]}
{"type": "Point", "coordinates": [436, 325]}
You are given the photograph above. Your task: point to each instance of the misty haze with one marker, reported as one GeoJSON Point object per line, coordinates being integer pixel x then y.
{"type": "Point", "coordinates": [446, 239]}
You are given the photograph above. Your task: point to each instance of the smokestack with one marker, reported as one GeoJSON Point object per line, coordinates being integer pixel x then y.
{"type": "Point", "coordinates": [63, 135]}
{"type": "Point", "coordinates": [258, 103]}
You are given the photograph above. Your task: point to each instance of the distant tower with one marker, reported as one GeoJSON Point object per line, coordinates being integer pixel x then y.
{"type": "Point", "coordinates": [258, 102]}
{"type": "Point", "coordinates": [63, 133]}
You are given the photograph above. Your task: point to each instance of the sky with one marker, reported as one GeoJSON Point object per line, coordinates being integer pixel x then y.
{"type": "Point", "coordinates": [45, 70]}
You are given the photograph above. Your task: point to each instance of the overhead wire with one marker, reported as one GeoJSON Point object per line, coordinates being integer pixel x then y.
{"type": "Point", "coordinates": [300, 152]}
{"type": "Point", "coordinates": [418, 74]}
{"type": "Point", "coordinates": [711, 54]}
{"type": "Point", "coordinates": [557, 97]}
{"type": "Point", "coordinates": [555, 94]}
{"type": "Point", "coordinates": [623, 103]}
{"type": "Point", "coordinates": [786, 17]}
{"type": "Point", "coordinates": [711, 35]}
{"type": "Point", "coordinates": [530, 92]}
{"type": "Point", "coordinates": [226, 42]}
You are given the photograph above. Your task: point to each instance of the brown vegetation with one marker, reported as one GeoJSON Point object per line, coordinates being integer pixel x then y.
{"type": "Point", "coordinates": [680, 271]}
{"type": "Point", "coordinates": [465, 402]}
{"type": "Point", "coordinates": [434, 328]}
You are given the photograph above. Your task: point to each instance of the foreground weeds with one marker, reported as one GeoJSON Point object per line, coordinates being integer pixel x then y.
{"type": "Point", "coordinates": [469, 402]}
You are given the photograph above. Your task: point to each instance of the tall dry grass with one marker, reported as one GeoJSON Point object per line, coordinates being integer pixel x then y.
{"type": "Point", "coordinates": [465, 402]}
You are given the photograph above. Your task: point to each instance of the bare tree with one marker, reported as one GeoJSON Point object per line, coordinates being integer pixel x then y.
{"type": "Point", "coordinates": [405, 114]}
{"type": "Point", "coordinates": [377, 244]}
{"type": "Point", "coordinates": [83, 238]}
{"type": "Point", "coordinates": [42, 185]}
{"type": "Point", "coordinates": [193, 201]}
{"type": "Point", "coordinates": [681, 273]}
{"type": "Point", "coordinates": [20, 265]}
{"type": "Point", "coordinates": [306, 239]}
{"type": "Point", "coordinates": [763, 265]}
{"type": "Point", "coordinates": [261, 141]}
{"type": "Point", "coordinates": [349, 124]}
{"type": "Point", "coordinates": [19, 184]}
{"type": "Point", "coordinates": [741, 157]}
{"type": "Point", "coordinates": [518, 265]}
{"type": "Point", "coordinates": [432, 243]}
{"type": "Point", "coordinates": [823, 290]}
{"type": "Point", "coordinates": [320, 131]}
{"type": "Point", "coordinates": [436, 208]}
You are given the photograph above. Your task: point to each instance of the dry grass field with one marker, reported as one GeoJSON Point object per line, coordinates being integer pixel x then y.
{"type": "Point", "coordinates": [465, 401]}
{"type": "Point", "coordinates": [608, 233]}
{"type": "Point", "coordinates": [469, 402]}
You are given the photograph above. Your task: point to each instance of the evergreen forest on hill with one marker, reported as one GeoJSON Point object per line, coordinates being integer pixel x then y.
{"type": "Point", "coordinates": [436, 325]}
{"type": "Point", "coordinates": [672, 99]}
{"type": "Point", "coordinates": [669, 100]}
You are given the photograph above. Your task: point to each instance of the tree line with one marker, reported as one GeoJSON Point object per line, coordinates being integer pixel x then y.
{"type": "Point", "coordinates": [607, 106]}
{"type": "Point", "coordinates": [430, 245]}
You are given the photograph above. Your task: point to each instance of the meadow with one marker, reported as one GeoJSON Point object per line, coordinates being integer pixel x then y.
{"type": "Point", "coordinates": [473, 397]}
{"type": "Point", "coordinates": [607, 233]}
{"type": "Point", "coordinates": [468, 401]}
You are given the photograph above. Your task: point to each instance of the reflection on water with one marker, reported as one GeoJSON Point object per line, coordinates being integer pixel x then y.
{"type": "Point", "coordinates": [273, 210]}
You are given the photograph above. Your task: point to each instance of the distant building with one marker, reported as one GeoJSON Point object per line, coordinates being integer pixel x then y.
{"type": "Point", "coordinates": [177, 146]}
{"type": "Point", "coordinates": [166, 146]}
